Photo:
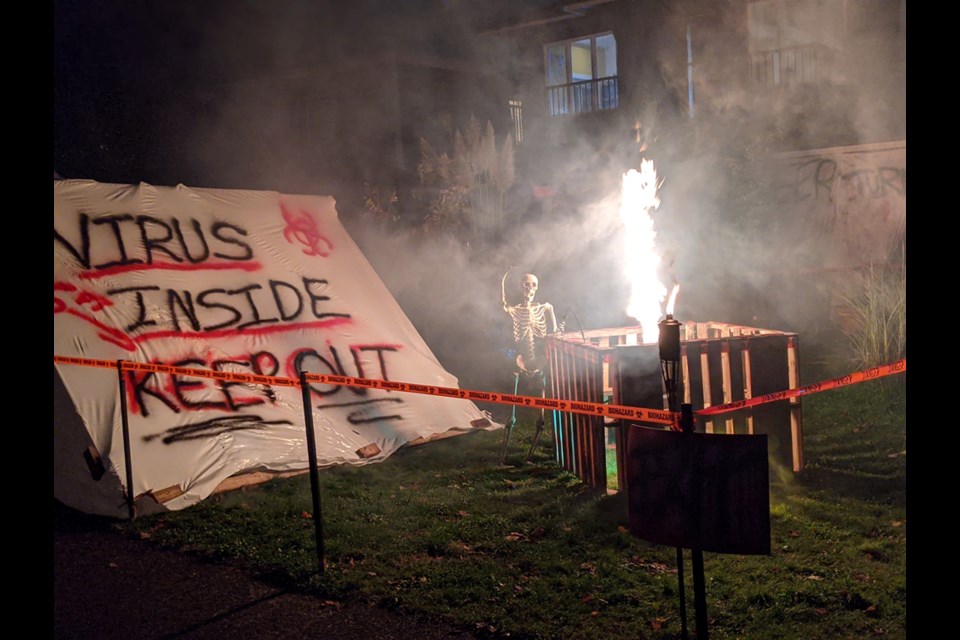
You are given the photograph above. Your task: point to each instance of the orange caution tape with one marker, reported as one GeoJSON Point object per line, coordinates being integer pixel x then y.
{"type": "Point", "coordinates": [536, 402]}
{"type": "Point", "coordinates": [618, 412]}
{"type": "Point", "coordinates": [851, 378]}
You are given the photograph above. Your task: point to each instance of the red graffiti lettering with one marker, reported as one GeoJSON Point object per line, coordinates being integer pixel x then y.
{"type": "Point", "coordinates": [179, 389]}
{"type": "Point", "coordinates": [78, 305]}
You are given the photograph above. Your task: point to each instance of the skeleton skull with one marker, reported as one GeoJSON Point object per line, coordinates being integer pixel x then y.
{"type": "Point", "coordinates": [530, 284]}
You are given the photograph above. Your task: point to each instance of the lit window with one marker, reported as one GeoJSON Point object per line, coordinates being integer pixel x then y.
{"type": "Point", "coordinates": [582, 75]}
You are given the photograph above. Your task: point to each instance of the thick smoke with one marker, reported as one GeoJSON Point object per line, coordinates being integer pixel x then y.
{"type": "Point", "coordinates": [219, 95]}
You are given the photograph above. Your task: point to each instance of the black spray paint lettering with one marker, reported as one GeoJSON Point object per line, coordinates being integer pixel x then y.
{"type": "Point", "coordinates": [367, 411]}
{"type": "Point", "coordinates": [122, 239]}
{"type": "Point", "coordinates": [329, 362]}
{"type": "Point", "coordinates": [237, 309]}
{"type": "Point", "coordinates": [877, 183]}
{"type": "Point", "coordinates": [212, 428]}
{"type": "Point", "coordinates": [816, 179]}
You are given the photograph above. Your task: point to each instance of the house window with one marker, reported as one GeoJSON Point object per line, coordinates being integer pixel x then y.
{"type": "Point", "coordinates": [793, 41]}
{"type": "Point", "coordinates": [582, 75]}
{"type": "Point", "coordinates": [516, 118]}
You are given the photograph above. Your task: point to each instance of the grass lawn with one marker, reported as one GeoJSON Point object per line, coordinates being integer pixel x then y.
{"type": "Point", "coordinates": [527, 551]}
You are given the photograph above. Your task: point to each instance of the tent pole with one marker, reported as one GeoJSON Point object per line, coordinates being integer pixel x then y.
{"type": "Point", "coordinates": [126, 439]}
{"type": "Point", "coordinates": [314, 474]}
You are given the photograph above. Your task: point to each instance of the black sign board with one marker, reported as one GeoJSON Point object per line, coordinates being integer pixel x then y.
{"type": "Point", "coordinates": [699, 491]}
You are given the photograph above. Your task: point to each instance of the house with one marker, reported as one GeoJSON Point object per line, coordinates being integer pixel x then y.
{"type": "Point", "coordinates": [778, 127]}
{"type": "Point", "coordinates": [302, 98]}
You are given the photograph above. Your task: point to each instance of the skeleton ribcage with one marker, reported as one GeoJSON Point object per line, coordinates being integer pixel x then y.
{"type": "Point", "coordinates": [529, 323]}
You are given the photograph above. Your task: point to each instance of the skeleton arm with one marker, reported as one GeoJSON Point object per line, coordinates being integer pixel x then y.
{"type": "Point", "coordinates": [503, 293]}
{"type": "Point", "coordinates": [551, 318]}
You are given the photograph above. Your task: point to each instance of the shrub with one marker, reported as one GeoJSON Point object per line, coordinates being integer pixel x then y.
{"type": "Point", "coordinates": [876, 317]}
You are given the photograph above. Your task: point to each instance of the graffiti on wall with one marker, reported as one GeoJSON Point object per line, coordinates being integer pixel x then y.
{"type": "Point", "coordinates": [855, 196]}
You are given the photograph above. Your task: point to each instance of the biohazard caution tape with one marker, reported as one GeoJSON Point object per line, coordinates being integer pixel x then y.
{"type": "Point", "coordinates": [618, 412]}
{"type": "Point", "coordinates": [842, 381]}
{"type": "Point", "coordinates": [589, 408]}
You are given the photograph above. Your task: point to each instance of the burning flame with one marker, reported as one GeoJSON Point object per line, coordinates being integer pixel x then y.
{"type": "Point", "coordinates": [672, 299]}
{"type": "Point", "coordinates": [638, 198]}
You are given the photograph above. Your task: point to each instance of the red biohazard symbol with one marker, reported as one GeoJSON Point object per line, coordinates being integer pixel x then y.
{"type": "Point", "coordinates": [302, 228]}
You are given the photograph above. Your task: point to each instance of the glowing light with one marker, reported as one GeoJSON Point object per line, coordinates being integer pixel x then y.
{"type": "Point", "coordinates": [672, 299]}
{"type": "Point", "coordinates": [638, 197]}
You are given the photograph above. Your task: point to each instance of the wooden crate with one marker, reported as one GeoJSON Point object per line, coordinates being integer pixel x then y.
{"type": "Point", "coordinates": [720, 363]}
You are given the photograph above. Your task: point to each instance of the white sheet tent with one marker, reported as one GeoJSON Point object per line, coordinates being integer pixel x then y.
{"type": "Point", "coordinates": [235, 281]}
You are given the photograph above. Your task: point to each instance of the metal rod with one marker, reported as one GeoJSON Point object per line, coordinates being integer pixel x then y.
{"type": "Point", "coordinates": [314, 473]}
{"type": "Point", "coordinates": [683, 596]}
{"type": "Point", "coordinates": [125, 427]}
{"type": "Point", "coordinates": [699, 594]}
{"type": "Point", "coordinates": [689, 72]}
{"type": "Point", "coordinates": [699, 589]}
{"type": "Point", "coordinates": [686, 426]}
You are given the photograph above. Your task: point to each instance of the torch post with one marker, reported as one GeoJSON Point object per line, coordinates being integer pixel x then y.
{"type": "Point", "coordinates": [670, 364]}
{"type": "Point", "coordinates": [669, 344]}
{"type": "Point", "coordinates": [125, 426]}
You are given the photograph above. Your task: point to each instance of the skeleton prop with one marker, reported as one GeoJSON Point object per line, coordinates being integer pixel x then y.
{"type": "Point", "coordinates": [532, 322]}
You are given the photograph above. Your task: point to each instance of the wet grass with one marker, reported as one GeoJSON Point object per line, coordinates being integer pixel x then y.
{"type": "Point", "coordinates": [527, 551]}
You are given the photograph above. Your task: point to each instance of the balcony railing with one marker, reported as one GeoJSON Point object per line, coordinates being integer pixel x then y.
{"type": "Point", "coordinates": [794, 65]}
{"type": "Point", "coordinates": [585, 96]}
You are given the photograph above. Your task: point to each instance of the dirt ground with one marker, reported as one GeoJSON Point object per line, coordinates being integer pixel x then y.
{"type": "Point", "coordinates": [107, 586]}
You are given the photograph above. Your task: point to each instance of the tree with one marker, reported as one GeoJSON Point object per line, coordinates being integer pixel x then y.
{"type": "Point", "coordinates": [467, 190]}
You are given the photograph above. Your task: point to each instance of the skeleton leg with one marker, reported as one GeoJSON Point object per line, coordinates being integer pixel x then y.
{"type": "Point", "coordinates": [513, 418]}
{"type": "Point", "coordinates": [540, 421]}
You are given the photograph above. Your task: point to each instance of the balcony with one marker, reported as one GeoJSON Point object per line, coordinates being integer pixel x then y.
{"type": "Point", "coordinates": [790, 66]}
{"type": "Point", "coordinates": [584, 96]}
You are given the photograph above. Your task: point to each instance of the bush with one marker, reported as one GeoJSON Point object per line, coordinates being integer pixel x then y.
{"type": "Point", "coordinates": [875, 317]}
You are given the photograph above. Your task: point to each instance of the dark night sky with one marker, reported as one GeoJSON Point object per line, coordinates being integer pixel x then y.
{"type": "Point", "coordinates": [117, 63]}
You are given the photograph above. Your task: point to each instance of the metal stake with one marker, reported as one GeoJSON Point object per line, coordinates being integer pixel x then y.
{"type": "Point", "coordinates": [699, 594]}
{"type": "Point", "coordinates": [683, 596]}
{"type": "Point", "coordinates": [125, 427]}
{"type": "Point", "coordinates": [314, 473]}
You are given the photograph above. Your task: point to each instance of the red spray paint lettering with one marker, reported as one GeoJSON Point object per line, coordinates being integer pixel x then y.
{"type": "Point", "coordinates": [180, 391]}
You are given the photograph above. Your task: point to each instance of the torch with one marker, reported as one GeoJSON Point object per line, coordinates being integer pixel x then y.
{"type": "Point", "coordinates": [669, 343]}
